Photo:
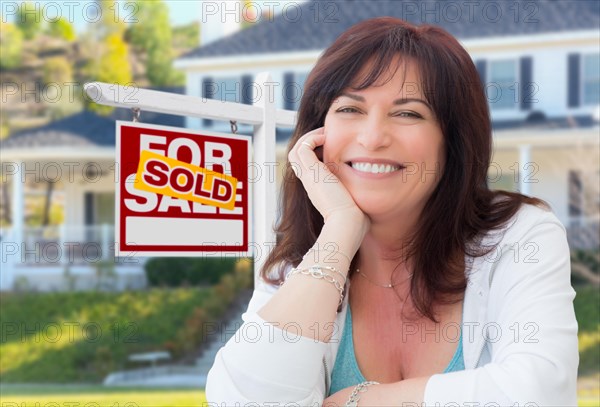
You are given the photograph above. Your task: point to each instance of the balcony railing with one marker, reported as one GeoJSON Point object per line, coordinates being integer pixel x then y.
{"type": "Point", "coordinates": [67, 244]}
{"type": "Point", "coordinates": [584, 233]}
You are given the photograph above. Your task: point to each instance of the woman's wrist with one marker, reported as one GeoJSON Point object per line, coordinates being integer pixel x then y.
{"type": "Point", "coordinates": [341, 237]}
{"type": "Point", "coordinates": [352, 219]}
{"type": "Point", "coordinates": [355, 395]}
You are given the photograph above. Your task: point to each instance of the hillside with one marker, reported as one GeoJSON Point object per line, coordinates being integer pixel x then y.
{"type": "Point", "coordinates": [47, 84]}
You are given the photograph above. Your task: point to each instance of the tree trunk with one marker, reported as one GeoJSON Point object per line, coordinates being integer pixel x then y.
{"type": "Point", "coordinates": [6, 203]}
{"type": "Point", "coordinates": [47, 203]}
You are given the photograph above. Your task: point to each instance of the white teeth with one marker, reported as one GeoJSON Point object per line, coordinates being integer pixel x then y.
{"type": "Point", "coordinates": [374, 168]}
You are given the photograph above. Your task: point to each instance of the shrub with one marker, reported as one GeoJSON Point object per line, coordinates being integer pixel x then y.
{"type": "Point", "coordinates": [179, 271]}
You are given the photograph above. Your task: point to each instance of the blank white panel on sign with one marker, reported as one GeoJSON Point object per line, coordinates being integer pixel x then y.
{"type": "Point", "coordinates": [181, 231]}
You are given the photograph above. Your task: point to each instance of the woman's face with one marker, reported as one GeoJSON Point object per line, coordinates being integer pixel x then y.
{"type": "Point", "coordinates": [385, 144]}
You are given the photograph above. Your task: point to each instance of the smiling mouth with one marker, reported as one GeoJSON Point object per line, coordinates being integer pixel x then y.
{"type": "Point", "coordinates": [374, 168]}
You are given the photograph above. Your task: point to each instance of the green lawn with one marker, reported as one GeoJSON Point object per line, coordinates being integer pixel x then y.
{"type": "Point", "coordinates": [81, 395]}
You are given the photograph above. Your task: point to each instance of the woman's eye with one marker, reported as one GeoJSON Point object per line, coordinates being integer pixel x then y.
{"type": "Point", "coordinates": [412, 115]}
{"type": "Point", "coordinates": [347, 110]}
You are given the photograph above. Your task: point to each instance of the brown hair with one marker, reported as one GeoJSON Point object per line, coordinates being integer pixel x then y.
{"type": "Point", "coordinates": [462, 208]}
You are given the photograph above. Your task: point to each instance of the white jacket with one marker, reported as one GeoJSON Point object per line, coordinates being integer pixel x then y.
{"type": "Point", "coordinates": [519, 335]}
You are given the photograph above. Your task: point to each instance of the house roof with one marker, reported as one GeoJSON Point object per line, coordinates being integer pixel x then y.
{"type": "Point", "coordinates": [84, 129]}
{"type": "Point", "coordinates": [314, 25]}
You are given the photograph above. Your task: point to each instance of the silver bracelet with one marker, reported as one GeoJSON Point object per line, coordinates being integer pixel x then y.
{"type": "Point", "coordinates": [316, 271]}
{"type": "Point", "coordinates": [354, 397]}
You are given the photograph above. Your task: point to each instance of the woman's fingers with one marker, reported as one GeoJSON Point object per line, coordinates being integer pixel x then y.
{"type": "Point", "coordinates": [302, 156]}
{"type": "Point", "coordinates": [304, 160]}
{"type": "Point", "coordinates": [309, 142]}
{"type": "Point", "coordinates": [324, 189]}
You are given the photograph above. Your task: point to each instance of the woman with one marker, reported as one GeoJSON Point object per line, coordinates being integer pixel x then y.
{"type": "Point", "coordinates": [399, 276]}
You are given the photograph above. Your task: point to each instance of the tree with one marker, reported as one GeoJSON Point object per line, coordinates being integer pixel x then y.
{"type": "Point", "coordinates": [11, 46]}
{"type": "Point", "coordinates": [112, 67]}
{"type": "Point", "coordinates": [29, 19]}
{"type": "Point", "coordinates": [61, 28]}
{"type": "Point", "coordinates": [111, 21]}
{"type": "Point", "coordinates": [58, 77]}
{"type": "Point", "coordinates": [57, 70]}
{"type": "Point", "coordinates": [4, 126]}
{"type": "Point", "coordinates": [153, 35]}
{"type": "Point", "coordinates": [186, 36]}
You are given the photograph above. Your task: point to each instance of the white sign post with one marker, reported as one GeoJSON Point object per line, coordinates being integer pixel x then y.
{"type": "Point", "coordinates": [262, 115]}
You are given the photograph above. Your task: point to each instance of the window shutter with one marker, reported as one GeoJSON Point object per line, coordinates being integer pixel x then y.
{"type": "Point", "coordinates": [207, 92]}
{"type": "Point", "coordinates": [247, 89]}
{"type": "Point", "coordinates": [481, 66]}
{"type": "Point", "coordinates": [88, 208]}
{"type": "Point", "coordinates": [288, 99]}
{"type": "Point", "coordinates": [525, 87]}
{"type": "Point", "coordinates": [575, 193]}
{"type": "Point", "coordinates": [573, 80]}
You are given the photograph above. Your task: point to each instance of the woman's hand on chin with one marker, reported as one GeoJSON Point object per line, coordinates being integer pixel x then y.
{"type": "Point", "coordinates": [325, 190]}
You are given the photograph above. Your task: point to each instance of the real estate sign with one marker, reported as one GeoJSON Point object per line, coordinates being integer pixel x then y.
{"type": "Point", "coordinates": [181, 192]}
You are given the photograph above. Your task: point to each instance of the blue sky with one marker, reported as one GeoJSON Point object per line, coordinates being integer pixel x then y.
{"type": "Point", "coordinates": [183, 12]}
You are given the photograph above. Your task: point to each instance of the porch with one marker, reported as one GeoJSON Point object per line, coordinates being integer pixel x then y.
{"type": "Point", "coordinates": [66, 257]}
{"type": "Point", "coordinates": [65, 171]}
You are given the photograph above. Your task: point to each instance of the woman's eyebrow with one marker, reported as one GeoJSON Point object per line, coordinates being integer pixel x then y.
{"type": "Point", "coordinates": [400, 101]}
{"type": "Point", "coordinates": [358, 98]}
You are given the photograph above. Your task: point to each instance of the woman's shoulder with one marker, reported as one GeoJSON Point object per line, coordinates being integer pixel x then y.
{"type": "Point", "coordinates": [524, 222]}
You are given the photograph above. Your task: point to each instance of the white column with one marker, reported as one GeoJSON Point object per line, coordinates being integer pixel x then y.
{"type": "Point", "coordinates": [524, 159]}
{"type": "Point", "coordinates": [12, 244]}
{"type": "Point", "coordinates": [105, 245]}
{"type": "Point", "coordinates": [18, 205]}
{"type": "Point", "coordinates": [62, 230]}
{"type": "Point", "coordinates": [265, 192]}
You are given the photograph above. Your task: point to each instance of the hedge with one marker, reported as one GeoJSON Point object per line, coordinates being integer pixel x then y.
{"type": "Point", "coordinates": [182, 271]}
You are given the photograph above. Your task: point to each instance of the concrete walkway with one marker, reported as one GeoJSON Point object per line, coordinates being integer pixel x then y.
{"type": "Point", "coordinates": [186, 375]}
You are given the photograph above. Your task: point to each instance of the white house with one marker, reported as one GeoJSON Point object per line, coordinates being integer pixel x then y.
{"type": "Point", "coordinates": [77, 154]}
{"type": "Point", "coordinates": [540, 62]}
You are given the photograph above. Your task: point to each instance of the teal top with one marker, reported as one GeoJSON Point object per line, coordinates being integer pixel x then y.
{"type": "Point", "coordinates": [346, 371]}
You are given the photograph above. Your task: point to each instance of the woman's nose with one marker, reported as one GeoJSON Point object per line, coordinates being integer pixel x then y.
{"type": "Point", "coordinates": [374, 134]}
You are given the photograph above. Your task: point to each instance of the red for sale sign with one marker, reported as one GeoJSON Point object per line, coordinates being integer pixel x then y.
{"type": "Point", "coordinates": [181, 192]}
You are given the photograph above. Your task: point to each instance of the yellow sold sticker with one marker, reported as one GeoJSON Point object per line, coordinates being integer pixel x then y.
{"type": "Point", "coordinates": [178, 179]}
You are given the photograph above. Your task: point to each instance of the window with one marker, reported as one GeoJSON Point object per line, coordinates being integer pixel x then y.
{"type": "Point", "coordinates": [300, 80]}
{"type": "Point", "coordinates": [227, 89]}
{"type": "Point", "coordinates": [591, 79]}
{"type": "Point", "coordinates": [584, 200]}
{"type": "Point", "coordinates": [293, 89]}
{"type": "Point", "coordinates": [502, 84]}
{"type": "Point", "coordinates": [575, 194]}
{"type": "Point", "coordinates": [99, 208]}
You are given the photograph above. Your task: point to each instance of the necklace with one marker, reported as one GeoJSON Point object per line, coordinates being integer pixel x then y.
{"type": "Point", "coordinates": [381, 285]}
